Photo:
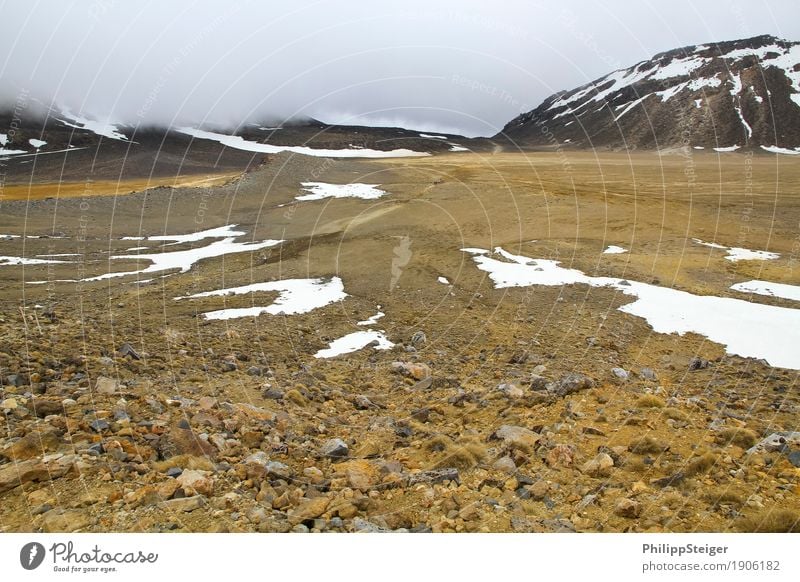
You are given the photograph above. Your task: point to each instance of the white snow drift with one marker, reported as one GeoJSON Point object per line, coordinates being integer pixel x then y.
{"type": "Point", "coordinates": [745, 329]}
{"type": "Point", "coordinates": [239, 143]}
{"type": "Point", "coordinates": [355, 341]}
{"type": "Point", "coordinates": [295, 296]}
{"type": "Point", "coordinates": [320, 190]}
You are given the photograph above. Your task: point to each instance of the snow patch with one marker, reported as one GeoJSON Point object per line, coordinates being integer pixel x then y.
{"type": "Point", "coordinates": [770, 289]}
{"type": "Point", "coordinates": [443, 280]}
{"type": "Point", "coordinates": [739, 254]}
{"type": "Point", "coordinates": [745, 329]}
{"type": "Point", "coordinates": [183, 261]}
{"type": "Point", "coordinates": [4, 261]}
{"type": "Point", "coordinates": [614, 250]}
{"type": "Point", "coordinates": [239, 143]}
{"type": "Point", "coordinates": [320, 190]}
{"type": "Point", "coordinates": [353, 342]}
{"type": "Point", "coordinates": [777, 150]}
{"type": "Point", "coordinates": [295, 296]}
{"type": "Point", "coordinates": [372, 320]}
{"type": "Point", "coordinates": [100, 128]}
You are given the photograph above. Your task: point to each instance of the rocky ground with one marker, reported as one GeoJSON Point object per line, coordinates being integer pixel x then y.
{"type": "Point", "coordinates": [527, 410]}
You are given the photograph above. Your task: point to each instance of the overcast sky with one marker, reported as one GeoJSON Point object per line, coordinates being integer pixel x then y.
{"type": "Point", "coordinates": [467, 66]}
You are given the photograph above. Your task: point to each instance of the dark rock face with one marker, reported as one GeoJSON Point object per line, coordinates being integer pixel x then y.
{"type": "Point", "coordinates": [742, 94]}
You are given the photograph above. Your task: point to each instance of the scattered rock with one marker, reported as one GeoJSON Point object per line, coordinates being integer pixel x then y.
{"type": "Point", "coordinates": [414, 370]}
{"type": "Point", "coordinates": [698, 363]}
{"type": "Point", "coordinates": [516, 436]}
{"type": "Point", "coordinates": [195, 482]}
{"type": "Point", "coordinates": [360, 474]}
{"type": "Point", "coordinates": [560, 456]}
{"type": "Point", "coordinates": [511, 390]}
{"type": "Point", "coordinates": [620, 373]}
{"type": "Point", "coordinates": [33, 444]}
{"type": "Point", "coordinates": [629, 508]}
{"type": "Point", "coordinates": [505, 464]}
{"type": "Point", "coordinates": [570, 383]}
{"type": "Point", "coordinates": [600, 466]}
{"type": "Point", "coordinates": [65, 520]}
{"type": "Point", "coordinates": [335, 449]}
{"type": "Point", "coordinates": [99, 425]}
{"type": "Point", "coordinates": [308, 509]}
{"type": "Point", "coordinates": [539, 383]}
{"type": "Point", "coordinates": [434, 476]}
{"type": "Point", "coordinates": [126, 351]}
{"type": "Point", "coordinates": [105, 385]}
{"type": "Point", "coordinates": [648, 374]}
{"type": "Point", "coordinates": [184, 504]}
{"type": "Point", "coordinates": [777, 441]}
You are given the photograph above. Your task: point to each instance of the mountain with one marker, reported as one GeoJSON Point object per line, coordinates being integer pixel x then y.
{"type": "Point", "coordinates": [742, 94]}
{"type": "Point", "coordinates": [46, 144]}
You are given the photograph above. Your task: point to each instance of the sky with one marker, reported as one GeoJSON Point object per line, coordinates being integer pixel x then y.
{"type": "Point", "coordinates": [460, 66]}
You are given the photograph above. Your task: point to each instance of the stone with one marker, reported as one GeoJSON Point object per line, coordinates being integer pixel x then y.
{"type": "Point", "coordinates": [505, 464]}
{"type": "Point", "coordinates": [516, 436]}
{"type": "Point", "coordinates": [423, 384]}
{"type": "Point", "coordinates": [9, 404]}
{"type": "Point", "coordinates": [794, 458]}
{"type": "Point", "coordinates": [308, 509]}
{"type": "Point", "coordinates": [69, 520]}
{"type": "Point", "coordinates": [99, 425]}
{"type": "Point", "coordinates": [32, 444]}
{"type": "Point", "coordinates": [777, 441]}
{"type": "Point", "coordinates": [183, 441]}
{"type": "Point", "coordinates": [620, 373]}
{"type": "Point", "coordinates": [335, 449]}
{"type": "Point", "coordinates": [629, 508]}
{"type": "Point", "coordinates": [184, 504]}
{"type": "Point", "coordinates": [413, 370]}
{"type": "Point", "coordinates": [364, 526]}
{"type": "Point", "coordinates": [600, 466]}
{"type": "Point", "coordinates": [418, 338]}
{"type": "Point", "coordinates": [539, 383]}
{"type": "Point", "coordinates": [273, 393]}
{"type": "Point", "coordinates": [434, 476]}
{"type": "Point", "coordinates": [539, 490]}
{"type": "Point", "coordinates": [360, 474]}
{"type": "Point", "coordinates": [19, 473]}
{"type": "Point", "coordinates": [15, 380]}
{"type": "Point", "coordinates": [43, 407]}
{"type": "Point", "coordinates": [697, 363]}
{"type": "Point", "coordinates": [560, 456]}
{"type": "Point", "coordinates": [126, 350]}
{"type": "Point", "coordinates": [255, 412]}
{"type": "Point", "coordinates": [648, 374]}
{"type": "Point", "coordinates": [196, 482]}
{"type": "Point", "coordinates": [278, 470]}
{"type": "Point", "coordinates": [511, 390]}
{"type": "Point", "coordinates": [314, 475]}
{"type": "Point", "coordinates": [570, 384]}
{"type": "Point", "coordinates": [105, 385]}
{"type": "Point", "coordinates": [361, 402]}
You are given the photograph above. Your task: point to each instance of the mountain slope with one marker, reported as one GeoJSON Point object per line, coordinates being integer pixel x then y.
{"type": "Point", "coordinates": [40, 145]}
{"type": "Point", "coordinates": [736, 94]}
